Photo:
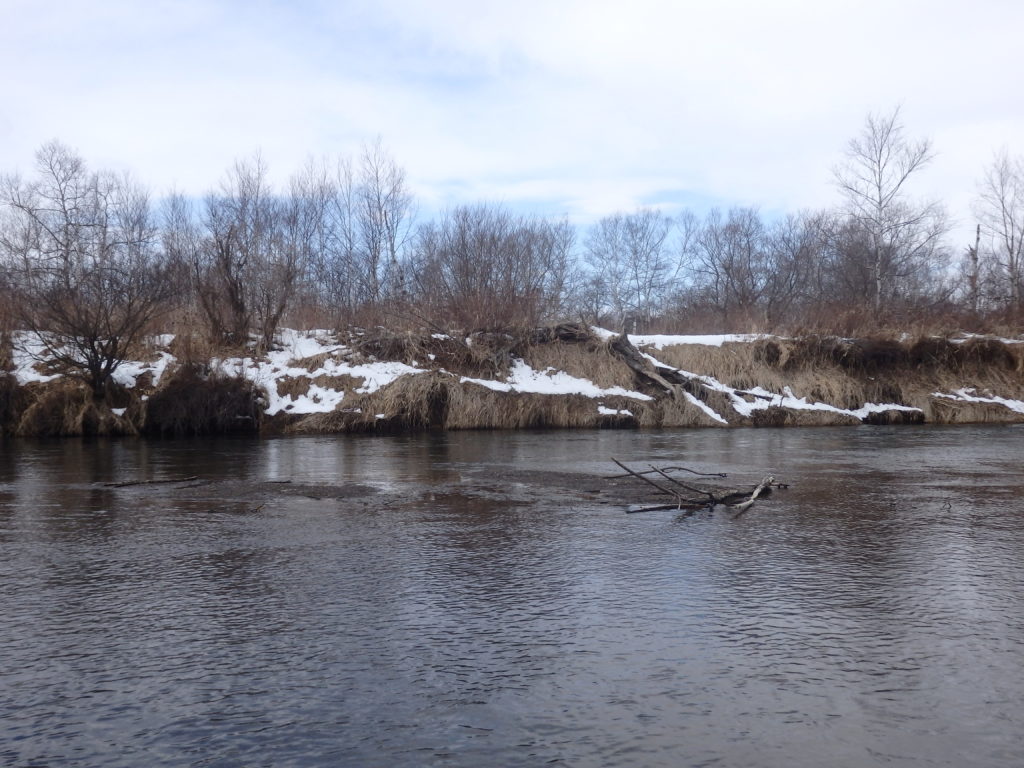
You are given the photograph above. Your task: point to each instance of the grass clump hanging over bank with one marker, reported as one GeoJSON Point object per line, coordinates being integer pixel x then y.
{"type": "Point", "coordinates": [191, 403]}
{"type": "Point", "coordinates": [67, 408]}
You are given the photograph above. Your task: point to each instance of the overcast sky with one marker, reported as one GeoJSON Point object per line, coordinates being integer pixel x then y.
{"type": "Point", "coordinates": [576, 108]}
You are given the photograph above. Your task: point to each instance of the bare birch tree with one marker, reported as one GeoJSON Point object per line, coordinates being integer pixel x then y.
{"type": "Point", "coordinates": [384, 220]}
{"type": "Point", "coordinates": [903, 237]}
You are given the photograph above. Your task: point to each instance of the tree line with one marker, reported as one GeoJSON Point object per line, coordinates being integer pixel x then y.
{"type": "Point", "coordinates": [89, 262]}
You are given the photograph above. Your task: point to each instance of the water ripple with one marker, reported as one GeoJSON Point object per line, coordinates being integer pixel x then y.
{"type": "Point", "coordinates": [872, 614]}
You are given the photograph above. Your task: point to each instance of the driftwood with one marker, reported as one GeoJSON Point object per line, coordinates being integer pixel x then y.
{"type": "Point", "coordinates": [689, 496]}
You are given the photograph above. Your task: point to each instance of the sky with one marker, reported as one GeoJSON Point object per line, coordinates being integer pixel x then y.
{"type": "Point", "coordinates": [576, 108]}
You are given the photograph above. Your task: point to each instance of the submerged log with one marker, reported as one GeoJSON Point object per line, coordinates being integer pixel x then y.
{"type": "Point", "coordinates": [129, 483]}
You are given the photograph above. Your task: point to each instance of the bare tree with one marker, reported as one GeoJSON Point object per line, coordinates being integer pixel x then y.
{"type": "Point", "coordinates": [1000, 211]}
{"type": "Point", "coordinates": [384, 219]}
{"type": "Point", "coordinates": [901, 238]}
{"type": "Point", "coordinates": [632, 269]}
{"type": "Point", "coordinates": [87, 276]}
{"type": "Point", "coordinates": [481, 267]}
{"type": "Point", "coordinates": [251, 254]}
{"type": "Point", "coordinates": [332, 268]}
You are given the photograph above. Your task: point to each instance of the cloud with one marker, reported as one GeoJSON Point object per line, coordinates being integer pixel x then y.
{"type": "Point", "coordinates": [581, 107]}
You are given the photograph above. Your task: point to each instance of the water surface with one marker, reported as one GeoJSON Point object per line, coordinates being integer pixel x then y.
{"type": "Point", "coordinates": [873, 614]}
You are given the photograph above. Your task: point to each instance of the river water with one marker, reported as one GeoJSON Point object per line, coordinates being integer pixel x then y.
{"type": "Point", "coordinates": [871, 614]}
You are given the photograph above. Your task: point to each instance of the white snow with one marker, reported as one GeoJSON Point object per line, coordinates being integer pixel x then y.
{"type": "Point", "coordinates": [523, 378]}
{"type": "Point", "coordinates": [763, 399]}
{"type": "Point", "coordinates": [705, 407]}
{"type": "Point", "coordinates": [129, 371]}
{"type": "Point", "coordinates": [660, 341]}
{"type": "Point", "coordinates": [969, 395]}
{"type": "Point", "coordinates": [605, 411]}
{"type": "Point", "coordinates": [26, 352]}
{"type": "Point", "coordinates": [302, 344]}
{"type": "Point", "coordinates": [964, 337]}
{"type": "Point", "coordinates": [266, 374]}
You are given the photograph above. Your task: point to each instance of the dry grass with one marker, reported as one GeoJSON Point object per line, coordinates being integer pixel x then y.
{"type": "Point", "coordinates": [591, 360]}
{"type": "Point", "coordinates": [66, 408]}
{"type": "Point", "coordinates": [13, 400]}
{"type": "Point", "coordinates": [943, 411]}
{"type": "Point", "coordinates": [190, 403]}
{"type": "Point", "coordinates": [313, 362]}
{"type": "Point", "coordinates": [848, 374]}
{"type": "Point", "coordinates": [481, 355]}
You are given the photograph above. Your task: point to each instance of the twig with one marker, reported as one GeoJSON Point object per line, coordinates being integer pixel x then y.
{"type": "Point", "coordinates": [647, 480]}
{"type": "Point", "coordinates": [711, 496]}
{"type": "Point", "coordinates": [667, 469]}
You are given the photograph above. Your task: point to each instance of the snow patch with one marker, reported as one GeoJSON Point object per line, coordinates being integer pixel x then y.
{"type": "Point", "coordinates": [660, 341]}
{"type": "Point", "coordinates": [969, 395]}
{"type": "Point", "coordinates": [523, 378]}
{"type": "Point", "coordinates": [705, 407]}
{"type": "Point", "coordinates": [299, 345]}
{"type": "Point", "coordinates": [605, 411]}
{"type": "Point", "coordinates": [128, 372]}
{"type": "Point", "coordinates": [27, 351]}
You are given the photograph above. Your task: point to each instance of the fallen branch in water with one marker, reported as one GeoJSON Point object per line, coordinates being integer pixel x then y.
{"type": "Point", "coordinates": [684, 496]}
{"type": "Point", "coordinates": [744, 506]}
{"type": "Point", "coordinates": [664, 469]}
{"type": "Point", "coordinates": [128, 483]}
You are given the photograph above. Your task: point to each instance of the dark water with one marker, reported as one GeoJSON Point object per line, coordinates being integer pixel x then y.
{"type": "Point", "coordinates": [873, 614]}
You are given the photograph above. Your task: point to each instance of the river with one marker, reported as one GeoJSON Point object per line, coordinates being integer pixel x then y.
{"type": "Point", "coordinates": [414, 601]}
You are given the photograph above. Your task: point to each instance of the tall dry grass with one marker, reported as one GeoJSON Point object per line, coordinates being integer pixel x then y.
{"type": "Point", "coordinates": [850, 373]}
{"type": "Point", "coordinates": [66, 408]}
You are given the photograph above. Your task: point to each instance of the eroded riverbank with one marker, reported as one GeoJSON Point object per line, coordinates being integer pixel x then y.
{"type": "Point", "coordinates": [566, 377]}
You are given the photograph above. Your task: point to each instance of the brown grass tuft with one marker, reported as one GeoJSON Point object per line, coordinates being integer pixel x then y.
{"type": "Point", "coordinates": [66, 408]}
{"type": "Point", "coordinates": [944, 411]}
{"type": "Point", "coordinates": [987, 353]}
{"type": "Point", "coordinates": [189, 403]}
{"type": "Point", "coordinates": [13, 401]}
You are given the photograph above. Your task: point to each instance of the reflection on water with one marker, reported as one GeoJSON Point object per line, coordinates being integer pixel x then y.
{"type": "Point", "coordinates": [871, 615]}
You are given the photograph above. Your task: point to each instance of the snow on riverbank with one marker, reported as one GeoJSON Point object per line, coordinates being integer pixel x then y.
{"type": "Point", "coordinates": [525, 379]}
{"type": "Point", "coordinates": [313, 372]}
{"type": "Point", "coordinates": [970, 395]}
{"type": "Point", "coordinates": [660, 341]}
{"type": "Point", "coordinates": [746, 401]}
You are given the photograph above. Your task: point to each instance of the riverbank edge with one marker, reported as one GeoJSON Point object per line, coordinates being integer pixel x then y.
{"type": "Point", "coordinates": [568, 376]}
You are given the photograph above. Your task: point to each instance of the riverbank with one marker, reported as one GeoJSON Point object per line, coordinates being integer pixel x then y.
{"type": "Point", "coordinates": [569, 376]}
